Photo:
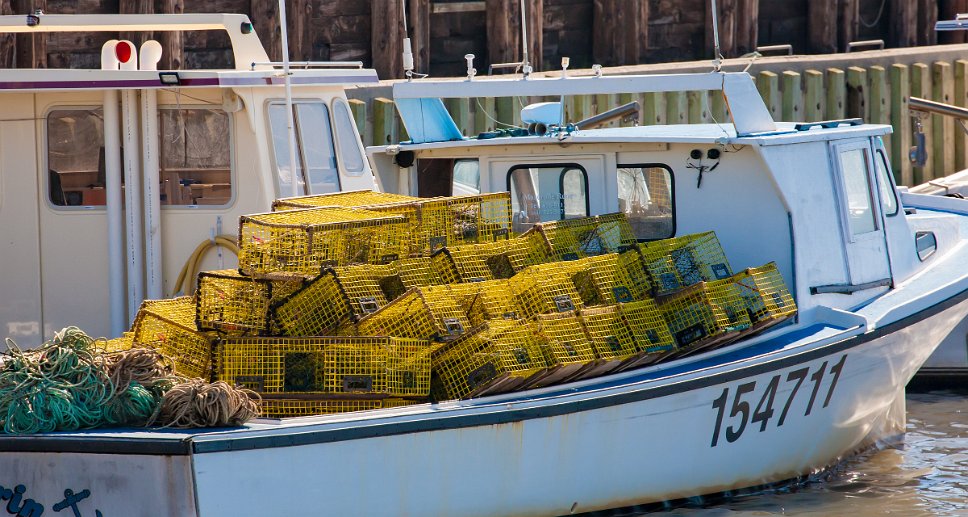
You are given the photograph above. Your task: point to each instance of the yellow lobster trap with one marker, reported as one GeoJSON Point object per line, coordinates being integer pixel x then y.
{"type": "Point", "coordinates": [612, 278]}
{"type": "Point", "coordinates": [318, 308]}
{"type": "Point", "coordinates": [765, 295]}
{"type": "Point", "coordinates": [650, 330]}
{"type": "Point", "coordinates": [547, 288]}
{"type": "Point", "coordinates": [489, 261]}
{"type": "Point", "coordinates": [421, 313]}
{"type": "Point", "coordinates": [168, 326]}
{"type": "Point", "coordinates": [496, 357]}
{"type": "Point", "coordinates": [349, 199]}
{"type": "Point", "coordinates": [119, 344]}
{"type": "Point", "coordinates": [273, 407]}
{"type": "Point", "coordinates": [238, 305]}
{"type": "Point", "coordinates": [332, 366]}
{"type": "Point", "coordinates": [705, 315]}
{"type": "Point", "coordinates": [488, 300]}
{"type": "Point", "coordinates": [610, 336]}
{"type": "Point", "coordinates": [571, 239]}
{"type": "Point", "coordinates": [684, 261]}
{"type": "Point", "coordinates": [567, 349]}
{"type": "Point", "coordinates": [296, 243]}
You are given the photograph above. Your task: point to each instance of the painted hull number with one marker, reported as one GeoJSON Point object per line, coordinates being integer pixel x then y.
{"type": "Point", "coordinates": [22, 506]}
{"type": "Point", "coordinates": [742, 415]}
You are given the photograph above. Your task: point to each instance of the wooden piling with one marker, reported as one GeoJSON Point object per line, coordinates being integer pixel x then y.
{"type": "Point", "coordinates": [619, 31]}
{"type": "Point", "coordinates": [943, 143]}
{"type": "Point", "coordinates": [822, 25]}
{"type": "Point", "coordinates": [484, 114]}
{"type": "Point", "coordinates": [654, 108]}
{"type": "Point", "coordinates": [768, 84]}
{"type": "Point", "coordinates": [792, 98]}
{"type": "Point", "coordinates": [813, 96]}
{"type": "Point", "coordinates": [386, 38]}
{"type": "Point", "coordinates": [879, 101]}
{"type": "Point", "coordinates": [460, 111]}
{"type": "Point", "coordinates": [921, 87]}
{"type": "Point", "coordinates": [358, 109]}
{"type": "Point", "coordinates": [697, 103]}
{"type": "Point", "coordinates": [836, 94]}
{"type": "Point", "coordinates": [961, 99]}
{"type": "Point", "coordinates": [857, 105]}
{"type": "Point", "coordinates": [384, 125]}
{"type": "Point", "coordinates": [900, 119]}
{"type": "Point", "coordinates": [677, 108]}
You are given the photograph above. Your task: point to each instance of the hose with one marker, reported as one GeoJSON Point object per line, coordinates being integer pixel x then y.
{"type": "Point", "coordinates": [185, 283]}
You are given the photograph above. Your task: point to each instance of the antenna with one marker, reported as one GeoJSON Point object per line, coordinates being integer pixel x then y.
{"type": "Point", "coordinates": [290, 117]}
{"type": "Point", "coordinates": [717, 56]}
{"type": "Point", "coordinates": [407, 49]}
{"type": "Point", "coordinates": [525, 64]}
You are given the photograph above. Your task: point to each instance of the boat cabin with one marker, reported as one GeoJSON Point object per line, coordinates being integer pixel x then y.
{"type": "Point", "coordinates": [818, 199]}
{"type": "Point", "coordinates": [110, 178]}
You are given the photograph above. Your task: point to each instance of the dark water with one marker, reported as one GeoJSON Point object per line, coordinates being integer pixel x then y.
{"type": "Point", "coordinates": [927, 475]}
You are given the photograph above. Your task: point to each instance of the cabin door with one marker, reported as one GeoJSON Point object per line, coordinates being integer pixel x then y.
{"type": "Point", "coordinates": [863, 224]}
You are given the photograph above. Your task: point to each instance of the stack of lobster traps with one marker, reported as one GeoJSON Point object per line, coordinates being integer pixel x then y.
{"type": "Point", "coordinates": [363, 300]}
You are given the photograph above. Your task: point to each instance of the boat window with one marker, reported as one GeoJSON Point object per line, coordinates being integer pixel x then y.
{"type": "Point", "coordinates": [860, 212]}
{"type": "Point", "coordinates": [315, 154]}
{"type": "Point", "coordinates": [346, 139]}
{"type": "Point", "coordinates": [645, 197]}
{"type": "Point", "coordinates": [886, 187]}
{"type": "Point", "coordinates": [75, 171]}
{"type": "Point", "coordinates": [547, 193]}
{"type": "Point", "coordinates": [467, 177]}
{"type": "Point", "coordinates": [195, 156]}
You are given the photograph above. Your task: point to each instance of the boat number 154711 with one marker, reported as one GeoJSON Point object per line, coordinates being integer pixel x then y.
{"type": "Point", "coordinates": [743, 395]}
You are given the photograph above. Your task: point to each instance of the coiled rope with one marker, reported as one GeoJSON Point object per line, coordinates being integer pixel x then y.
{"type": "Point", "coordinates": [68, 384]}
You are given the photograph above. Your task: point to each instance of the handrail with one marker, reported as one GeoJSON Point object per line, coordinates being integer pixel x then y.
{"type": "Point", "coordinates": [311, 64]}
{"type": "Point", "coordinates": [939, 108]}
{"type": "Point", "coordinates": [607, 116]}
{"type": "Point", "coordinates": [879, 43]}
{"type": "Point", "coordinates": [776, 48]}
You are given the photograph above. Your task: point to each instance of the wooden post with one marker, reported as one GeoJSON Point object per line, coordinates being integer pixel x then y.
{"type": "Point", "coordinates": [298, 14]}
{"type": "Point", "coordinates": [901, 120]}
{"type": "Point", "coordinates": [768, 84]}
{"type": "Point", "coordinates": [849, 22]}
{"type": "Point", "coordinates": [717, 107]}
{"type": "Point", "coordinates": [653, 109]}
{"type": "Point", "coordinates": [747, 26]}
{"type": "Point", "coordinates": [697, 103]}
{"type": "Point", "coordinates": [383, 122]}
{"type": "Point", "coordinates": [903, 17]}
{"type": "Point", "coordinates": [948, 10]}
{"type": "Point", "coordinates": [619, 31]}
{"type": "Point", "coordinates": [386, 38]}
{"type": "Point", "coordinates": [921, 87]}
{"type": "Point", "coordinates": [504, 31]}
{"type": "Point", "coordinates": [485, 112]}
{"type": "Point", "coordinates": [419, 17]}
{"type": "Point", "coordinates": [535, 12]}
{"type": "Point", "coordinates": [460, 111]}
{"type": "Point", "coordinates": [677, 108]}
{"type": "Point", "coordinates": [792, 100]}
{"type": "Point", "coordinates": [879, 101]}
{"type": "Point", "coordinates": [727, 16]}
{"type": "Point", "coordinates": [813, 96]}
{"type": "Point", "coordinates": [8, 42]}
{"type": "Point", "coordinates": [943, 142]}
{"type": "Point", "coordinates": [31, 48]}
{"type": "Point", "coordinates": [172, 43]}
{"type": "Point", "coordinates": [961, 99]}
{"type": "Point", "coordinates": [265, 19]}
{"type": "Point", "coordinates": [822, 25]}
{"type": "Point", "coordinates": [927, 17]}
{"type": "Point", "coordinates": [358, 108]}
{"type": "Point", "coordinates": [857, 105]}
{"type": "Point", "coordinates": [836, 94]}
{"type": "Point", "coordinates": [507, 112]}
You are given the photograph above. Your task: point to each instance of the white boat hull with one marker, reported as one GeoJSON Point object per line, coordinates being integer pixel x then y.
{"type": "Point", "coordinates": [601, 444]}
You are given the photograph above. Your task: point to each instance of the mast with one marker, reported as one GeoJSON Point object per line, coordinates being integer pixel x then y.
{"type": "Point", "coordinates": [290, 116]}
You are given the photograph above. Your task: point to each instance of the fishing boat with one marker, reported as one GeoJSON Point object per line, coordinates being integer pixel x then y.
{"type": "Point", "coordinates": [876, 272]}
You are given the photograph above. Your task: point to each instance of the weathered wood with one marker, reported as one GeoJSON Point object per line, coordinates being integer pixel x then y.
{"type": "Point", "coordinates": [727, 17]}
{"type": "Point", "coordinates": [484, 113]}
{"type": "Point", "coordinates": [387, 38]}
{"type": "Point", "coordinates": [298, 15]}
{"type": "Point", "coordinates": [8, 42]}
{"type": "Point", "coordinates": [136, 7]}
{"type": "Point", "coordinates": [822, 25]}
{"type": "Point", "coordinates": [717, 107]}
{"type": "Point", "coordinates": [943, 142]}
{"type": "Point", "coordinates": [927, 17]}
{"type": "Point", "coordinates": [948, 10]}
{"type": "Point", "coordinates": [265, 19]}
{"type": "Point", "coordinates": [768, 84]}
{"type": "Point", "coordinates": [836, 94]}
{"type": "Point", "coordinates": [879, 101]}
{"type": "Point", "coordinates": [792, 98]}
{"type": "Point", "coordinates": [460, 111]}
{"type": "Point", "coordinates": [849, 23]}
{"type": "Point", "coordinates": [857, 105]}
{"type": "Point", "coordinates": [698, 106]}
{"type": "Point", "coordinates": [677, 108]}
{"type": "Point", "coordinates": [419, 17]}
{"type": "Point", "coordinates": [901, 141]}
{"type": "Point", "coordinates": [503, 21]}
{"type": "Point", "coordinates": [508, 114]}
{"type": "Point", "coordinates": [921, 87]}
{"type": "Point", "coordinates": [653, 109]}
{"type": "Point", "coordinates": [625, 98]}
{"type": "Point", "coordinates": [813, 96]}
{"type": "Point", "coordinates": [384, 124]}
{"type": "Point", "coordinates": [961, 99]}
{"type": "Point", "coordinates": [747, 26]}
{"type": "Point", "coordinates": [358, 109]}
{"type": "Point", "coordinates": [172, 42]}
{"type": "Point", "coordinates": [903, 17]}
{"type": "Point", "coordinates": [619, 31]}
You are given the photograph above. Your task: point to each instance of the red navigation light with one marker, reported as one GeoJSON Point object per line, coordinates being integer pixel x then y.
{"type": "Point", "coordinates": [124, 51]}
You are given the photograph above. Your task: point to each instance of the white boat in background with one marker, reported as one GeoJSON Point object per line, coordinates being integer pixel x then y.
{"type": "Point", "coordinates": [878, 276]}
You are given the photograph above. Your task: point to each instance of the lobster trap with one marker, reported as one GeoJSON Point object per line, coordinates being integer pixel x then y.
{"type": "Point", "coordinates": [238, 305]}
{"type": "Point", "coordinates": [705, 315]}
{"type": "Point", "coordinates": [684, 261]}
{"type": "Point", "coordinates": [567, 349]}
{"type": "Point", "coordinates": [610, 336]}
{"type": "Point", "coordinates": [572, 239]}
{"type": "Point", "coordinates": [350, 199]}
{"type": "Point", "coordinates": [547, 288]}
{"type": "Point", "coordinates": [496, 357]}
{"type": "Point", "coordinates": [612, 278]}
{"type": "Point", "coordinates": [318, 308]}
{"type": "Point", "coordinates": [168, 326]}
{"type": "Point", "coordinates": [119, 344]}
{"type": "Point", "coordinates": [273, 407]}
{"type": "Point", "coordinates": [650, 330]}
{"type": "Point", "coordinates": [332, 366]}
{"type": "Point", "coordinates": [488, 300]}
{"type": "Point", "coordinates": [421, 313]}
{"type": "Point", "coordinates": [488, 261]}
{"type": "Point", "coordinates": [765, 295]}
{"type": "Point", "coordinates": [296, 243]}
{"type": "Point", "coordinates": [412, 272]}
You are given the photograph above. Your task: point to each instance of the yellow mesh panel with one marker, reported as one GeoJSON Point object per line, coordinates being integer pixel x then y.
{"type": "Point", "coordinates": [495, 357]}
{"type": "Point", "coordinates": [565, 340]}
{"type": "Point", "coordinates": [572, 239]}
{"type": "Point", "coordinates": [123, 342]}
{"type": "Point", "coordinates": [169, 327]}
{"type": "Point", "coordinates": [765, 293]}
{"type": "Point", "coordinates": [317, 309]}
{"type": "Point", "coordinates": [238, 305]}
{"type": "Point", "coordinates": [610, 336]}
{"type": "Point", "coordinates": [301, 242]}
{"type": "Point", "coordinates": [351, 199]}
{"type": "Point", "coordinates": [683, 261]}
{"type": "Point", "coordinates": [489, 261]}
{"type": "Point", "coordinates": [489, 300]}
{"type": "Point", "coordinates": [290, 408]}
{"type": "Point", "coordinates": [327, 365]}
{"type": "Point", "coordinates": [648, 326]}
{"type": "Point", "coordinates": [612, 278]}
{"type": "Point", "coordinates": [416, 272]}
{"type": "Point", "coordinates": [363, 287]}
{"type": "Point", "coordinates": [547, 288]}
{"type": "Point", "coordinates": [706, 310]}
{"type": "Point", "coordinates": [422, 313]}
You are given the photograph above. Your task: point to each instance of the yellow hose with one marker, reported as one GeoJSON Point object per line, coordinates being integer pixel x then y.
{"type": "Point", "coordinates": [185, 283]}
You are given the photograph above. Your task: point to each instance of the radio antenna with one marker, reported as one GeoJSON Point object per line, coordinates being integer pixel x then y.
{"type": "Point", "coordinates": [717, 56]}
{"type": "Point", "coordinates": [525, 64]}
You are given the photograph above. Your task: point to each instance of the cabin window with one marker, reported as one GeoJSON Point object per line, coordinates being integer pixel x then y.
{"type": "Point", "coordinates": [645, 197]}
{"type": "Point", "coordinates": [467, 177]}
{"type": "Point", "coordinates": [315, 154]}
{"type": "Point", "coordinates": [547, 193]}
{"type": "Point", "coordinates": [195, 156]}
{"type": "Point", "coordinates": [346, 139]}
{"type": "Point", "coordinates": [888, 197]}
{"type": "Point", "coordinates": [75, 161]}
{"type": "Point", "coordinates": [860, 211]}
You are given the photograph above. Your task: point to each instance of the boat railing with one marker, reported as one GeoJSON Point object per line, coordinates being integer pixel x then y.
{"type": "Point", "coordinates": [306, 65]}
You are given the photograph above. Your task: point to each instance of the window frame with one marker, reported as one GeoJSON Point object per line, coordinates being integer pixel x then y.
{"type": "Point", "coordinates": [565, 167]}
{"type": "Point", "coordinates": [233, 173]}
{"type": "Point", "coordinates": [45, 171]}
{"type": "Point", "coordinates": [890, 182]}
{"type": "Point", "coordinates": [300, 153]}
{"type": "Point", "coordinates": [840, 187]}
{"type": "Point", "coordinates": [339, 141]}
{"type": "Point", "coordinates": [672, 191]}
